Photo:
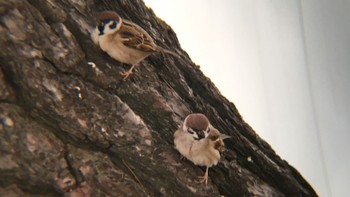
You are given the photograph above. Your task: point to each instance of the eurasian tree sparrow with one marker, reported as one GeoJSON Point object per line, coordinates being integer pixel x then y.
{"type": "Point", "coordinates": [199, 142]}
{"type": "Point", "coordinates": [124, 40]}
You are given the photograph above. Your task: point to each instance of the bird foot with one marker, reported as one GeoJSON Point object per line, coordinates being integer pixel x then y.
{"type": "Point", "coordinates": [204, 178]}
{"type": "Point", "coordinates": [129, 72]}
{"type": "Point", "coordinates": [126, 74]}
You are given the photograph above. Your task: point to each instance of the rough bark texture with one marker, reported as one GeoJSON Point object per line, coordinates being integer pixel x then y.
{"type": "Point", "coordinates": [69, 128]}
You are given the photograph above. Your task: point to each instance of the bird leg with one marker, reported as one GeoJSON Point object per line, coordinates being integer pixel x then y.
{"type": "Point", "coordinates": [204, 178]}
{"type": "Point", "coordinates": [128, 73]}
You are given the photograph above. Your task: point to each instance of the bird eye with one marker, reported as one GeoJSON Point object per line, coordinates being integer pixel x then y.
{"type": "Point", "coordinates": [101, 24]}
{"type": "Point", "coordinates": [190, 131]}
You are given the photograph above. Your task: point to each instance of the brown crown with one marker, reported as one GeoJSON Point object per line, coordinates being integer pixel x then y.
{"type": "Point", "coordinates": [105, 15]}
{"type": "Point", "coordinates": [197, 122]}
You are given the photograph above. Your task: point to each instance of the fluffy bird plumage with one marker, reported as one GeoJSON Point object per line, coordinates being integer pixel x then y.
{"type": "Point", "coordinates": [201, 151]}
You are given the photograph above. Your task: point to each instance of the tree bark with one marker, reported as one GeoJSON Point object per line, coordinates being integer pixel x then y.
{"type": "Point", "coordinates": [69, 128]}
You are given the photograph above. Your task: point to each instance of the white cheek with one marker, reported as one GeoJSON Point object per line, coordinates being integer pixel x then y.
{"type": "Point", "coordinates": [206, 134]}
{"type": "Point", "coordinates": [108, 31]}
{"type": "Point", "coordinates": [95, 36]}
{"type": "Point", "coordinates": [184, 128]}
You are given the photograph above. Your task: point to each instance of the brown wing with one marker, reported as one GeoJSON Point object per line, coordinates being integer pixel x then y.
{"type": "Point", "coordinates": [215, 136]}
{"type": "Point", "coordinates": [135, 37]}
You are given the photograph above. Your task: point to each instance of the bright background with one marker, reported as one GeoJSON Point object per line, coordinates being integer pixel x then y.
{"type": "Point", "coordinates": [286, 66]}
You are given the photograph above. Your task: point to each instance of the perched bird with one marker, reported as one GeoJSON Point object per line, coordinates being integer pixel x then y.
{"type": "Point", "coordinates": [124, 40]}
{"type": "Point", "coordinates": [199, 142]}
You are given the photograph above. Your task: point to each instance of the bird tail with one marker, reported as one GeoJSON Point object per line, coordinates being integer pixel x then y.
{"type": "Point", "coordinates": [160, 49]}
{"type": "Point", "coordinates": [224, 136]}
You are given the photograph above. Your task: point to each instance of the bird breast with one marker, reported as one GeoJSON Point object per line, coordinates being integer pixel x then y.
{"type": "Point", "coordinates": [200, 152]}
{"type": "Point", "coordinates": [113, 46]}
{"type": "Point", "coordinates": [203, 153]}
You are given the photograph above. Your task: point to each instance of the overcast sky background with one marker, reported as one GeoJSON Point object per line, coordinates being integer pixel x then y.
{"type": "Point", "coordinates": [286, 66]}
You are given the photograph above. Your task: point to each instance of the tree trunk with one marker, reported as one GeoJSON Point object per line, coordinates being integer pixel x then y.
{"type": "Point", "coordinates": [69, 128]}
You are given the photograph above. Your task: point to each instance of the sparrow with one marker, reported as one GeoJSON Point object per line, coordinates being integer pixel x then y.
{"type": "Point", "coordinates": [198, 141]}
{"type": "Point", "coordinates": [124, 40]}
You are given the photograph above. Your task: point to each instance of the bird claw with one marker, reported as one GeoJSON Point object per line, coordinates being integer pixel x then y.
{"type": "Point", "coordinates": [204, 179]}
{"type": "Point", "coordinates": [182, 158]}
{"type": "Point", "coordinates": [126, 74]}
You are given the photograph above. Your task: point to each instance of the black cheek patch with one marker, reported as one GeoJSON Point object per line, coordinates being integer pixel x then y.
{"type": "Point", "coordinates": [113, 25]}
{"type": "Point", "coordinates": [100, 29]}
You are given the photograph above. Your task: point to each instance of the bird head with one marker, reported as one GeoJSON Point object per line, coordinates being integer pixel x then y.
{"type": "Point", "coordinates": [197, 125]}
{"type": "Point", "coordinates": [108, 22]}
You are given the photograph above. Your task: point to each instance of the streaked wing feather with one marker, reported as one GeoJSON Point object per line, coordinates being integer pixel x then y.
{"type": "Point", "coordinates": [135, 37]}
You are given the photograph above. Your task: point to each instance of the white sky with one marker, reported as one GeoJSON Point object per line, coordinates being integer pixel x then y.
{"type": "Point", "coordinates": [286, 66]}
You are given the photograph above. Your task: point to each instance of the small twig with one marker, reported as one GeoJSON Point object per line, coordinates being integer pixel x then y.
{"type": "Point", "coordinates": [132, 172]}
